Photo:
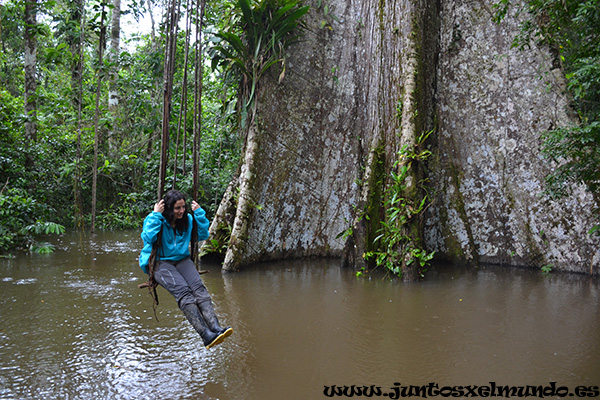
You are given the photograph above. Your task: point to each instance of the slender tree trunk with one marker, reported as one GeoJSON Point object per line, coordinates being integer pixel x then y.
{"type": "Point", "coordinates": [76, 46]}
{"type": "Point", "coordinates": [101, 46]}
{"type": "Point", "coordinates": [30, 74]}
{"type": "Point", "coordinates": [113, 94]}
{"type": "Point", "coordinates": [410, 130]}
{"type": "Point", "coordinates": [153, 133]}
{"type": "Point", "coordinates": [152, 24]}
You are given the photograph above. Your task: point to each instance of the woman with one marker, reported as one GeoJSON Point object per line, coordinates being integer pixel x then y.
{"type": "Point", "coordinates": [176, 271]}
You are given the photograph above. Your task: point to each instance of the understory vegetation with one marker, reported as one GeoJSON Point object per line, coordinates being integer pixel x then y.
{"type": "Point", "coordinates": [396, 245]}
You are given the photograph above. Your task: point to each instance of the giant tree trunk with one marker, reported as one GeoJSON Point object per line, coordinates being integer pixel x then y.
{"type": "Point", "coordinates": [370, 77]}
{"type": "Point", "coordinates": [301, 170]}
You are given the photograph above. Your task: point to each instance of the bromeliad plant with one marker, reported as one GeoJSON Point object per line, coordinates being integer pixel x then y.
{"type": "Point", "coordinates": [255, 40]}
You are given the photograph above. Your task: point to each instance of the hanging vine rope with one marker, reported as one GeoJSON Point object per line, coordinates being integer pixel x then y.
{"type": "Point", "coordinates": [169, 68]}
{"type": "Point", "coordinates": [184, 94]}
{"type": "Point", "coordinates": [169, 71]}
{"type": "Point", "coordinates": [198, 74]}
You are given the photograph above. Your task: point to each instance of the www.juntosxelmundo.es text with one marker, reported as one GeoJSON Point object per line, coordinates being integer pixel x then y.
{"type": "Point", "coordinates": [433, 389]}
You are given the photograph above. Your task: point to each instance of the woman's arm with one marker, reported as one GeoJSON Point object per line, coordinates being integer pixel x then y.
{"type": "Point", "coordinates": [153, 222]}
{"type": "Point", "coordinates": [203, 222]}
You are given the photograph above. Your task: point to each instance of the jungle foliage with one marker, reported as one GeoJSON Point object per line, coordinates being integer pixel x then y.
{"type": "Point", "coordinates": [40, 179]}
{"type": "Point", "coordinates": [571, 29]}
{"type": "Point", "coordinates": [396, 246]}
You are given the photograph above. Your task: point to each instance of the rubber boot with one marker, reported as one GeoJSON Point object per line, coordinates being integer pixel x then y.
{"type": "Point", "coordinates": [208, 312]}
{"type": "Point", "coordinates": [193, 314]}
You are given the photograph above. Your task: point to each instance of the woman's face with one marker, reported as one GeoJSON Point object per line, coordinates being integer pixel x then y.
{"type": "Point", "coordinates": [179, 209]}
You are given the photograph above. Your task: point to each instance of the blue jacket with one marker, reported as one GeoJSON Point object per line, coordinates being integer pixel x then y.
{"type": "Point", "coordinates": [175, 246]}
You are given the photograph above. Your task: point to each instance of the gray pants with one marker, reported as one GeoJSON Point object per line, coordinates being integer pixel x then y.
{"type": "Point", "coordinates": [182, 280]}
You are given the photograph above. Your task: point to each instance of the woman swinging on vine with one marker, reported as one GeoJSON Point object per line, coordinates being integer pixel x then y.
{"type": "Point", "coordinates": [169, 230]}
{"type": "Point", "coordinates": [172, 229]}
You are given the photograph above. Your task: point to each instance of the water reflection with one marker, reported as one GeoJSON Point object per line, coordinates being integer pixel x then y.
{"type": "Point", "coordinates": [75, 326]}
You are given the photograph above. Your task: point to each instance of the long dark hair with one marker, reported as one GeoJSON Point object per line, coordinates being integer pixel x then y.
{"type": "Point", "coordinates": [171, 198]}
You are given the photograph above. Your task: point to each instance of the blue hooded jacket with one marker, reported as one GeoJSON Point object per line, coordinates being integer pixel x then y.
{"type": "Point", "coordinates": [174, 246]}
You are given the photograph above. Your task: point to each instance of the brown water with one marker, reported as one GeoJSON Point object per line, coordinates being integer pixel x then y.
{"type": "Point", "coordinates": [74, 325]}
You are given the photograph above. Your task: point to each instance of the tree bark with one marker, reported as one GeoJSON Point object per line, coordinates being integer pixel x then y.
{"type": "Point", "coordinates": [115, 39]}
{"type": "Point", "coordinates": [236, 254]}
{"type": "Point", "coordinates": [113, 93]}
{"type": "Point", "coordinates": [30, 74]}
{"type": "Point", "coordinates": [101, 45]}
{"type": "Point", "coordinates": [76, 47]}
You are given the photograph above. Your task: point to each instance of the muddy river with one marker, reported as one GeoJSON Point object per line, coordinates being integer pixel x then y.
{"type": "Point", "coordinates": [74, 325]}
